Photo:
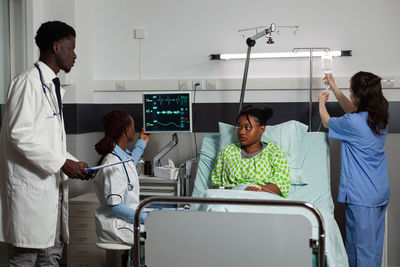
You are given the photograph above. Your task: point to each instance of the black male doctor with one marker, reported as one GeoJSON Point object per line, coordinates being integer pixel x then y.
{"type": "Point", "coordinates": [34, 162]}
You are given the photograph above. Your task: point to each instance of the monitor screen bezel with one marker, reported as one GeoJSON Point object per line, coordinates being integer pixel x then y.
{"type": "Point", "coordinates": [165, 93]}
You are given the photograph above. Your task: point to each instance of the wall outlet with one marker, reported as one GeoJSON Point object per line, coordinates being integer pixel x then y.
{"type": "Point", "coordinates": [140, 34]}
{"type": "Point", "coordinates": [387, 82]}
{"type": "Point", "coordinates": [211, 84]}
{"type": "Point", "coordinates": [120, 85]}
{"type": "Point", "coordinates": [197, 85]}
{"type": "Point", "coordinates": [183, 85]}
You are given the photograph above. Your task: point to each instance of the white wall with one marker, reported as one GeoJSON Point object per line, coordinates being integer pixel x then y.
{"type": "Point", "coordinates": [4, 50]}
{"type": "Point", "coordinates": [182, 34]}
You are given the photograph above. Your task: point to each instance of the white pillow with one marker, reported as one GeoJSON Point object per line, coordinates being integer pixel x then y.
{"type": "Point", "coordinates": [287, 135]}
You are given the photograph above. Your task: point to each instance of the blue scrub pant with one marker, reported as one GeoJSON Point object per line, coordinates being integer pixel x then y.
{"type": "Point", "coordinates": [365, 228]}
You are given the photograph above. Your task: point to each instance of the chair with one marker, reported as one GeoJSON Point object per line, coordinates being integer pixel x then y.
{"type": "Point", "coordinates": [116, 254]}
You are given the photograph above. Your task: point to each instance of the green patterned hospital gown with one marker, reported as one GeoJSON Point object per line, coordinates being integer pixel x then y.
{"type": "Point", "coordinates": [269, 166]}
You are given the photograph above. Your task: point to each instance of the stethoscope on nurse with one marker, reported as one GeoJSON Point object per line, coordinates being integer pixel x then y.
{"type": "Point", "coordinates": [130, 186]}
{"type": "Point", "coordinates": [45, 88]}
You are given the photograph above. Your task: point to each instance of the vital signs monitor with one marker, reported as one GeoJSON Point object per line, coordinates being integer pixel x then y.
{"type": "Point", "coordinates": [167, 112]}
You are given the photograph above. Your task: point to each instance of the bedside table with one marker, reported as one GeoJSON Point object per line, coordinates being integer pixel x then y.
{"type": "Point", "coordinates": [155, 186]}
{"type": "Point", "coordinates": [82, 250]}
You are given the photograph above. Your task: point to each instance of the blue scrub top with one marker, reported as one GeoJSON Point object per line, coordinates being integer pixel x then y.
{"type": "Point", "coordinates": [363, 170]}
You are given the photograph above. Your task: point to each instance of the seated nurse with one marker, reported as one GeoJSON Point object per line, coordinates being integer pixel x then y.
{"type": "Point", "coordinates": [117, 187]}
{"type": "Point", "coordinates": [261, 165]}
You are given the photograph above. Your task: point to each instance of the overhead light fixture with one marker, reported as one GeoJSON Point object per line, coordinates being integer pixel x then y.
{"type": "Point", "coordinates": [305, 54]}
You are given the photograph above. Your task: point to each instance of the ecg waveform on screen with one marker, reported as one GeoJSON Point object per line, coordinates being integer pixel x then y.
{"type": "Point", "coordinates": [167, 124]}
{"type": "Point", "coordinates": [167, 112]}
{"type": "Point", "coordinates": [169, 100]}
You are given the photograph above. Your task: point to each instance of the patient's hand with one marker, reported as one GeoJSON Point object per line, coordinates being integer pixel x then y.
{"type": "Point", "coordinates": [253, 187]}
{"type": "Point", "coordinates": [221, 187]}
{"type": "Point", "coordinates": [270, 188]}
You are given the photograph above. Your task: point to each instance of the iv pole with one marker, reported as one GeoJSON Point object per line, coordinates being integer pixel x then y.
{"type": "Point", "coordinates": [251, 41]}
{"type": "Point", "coordinates": [310, 49]}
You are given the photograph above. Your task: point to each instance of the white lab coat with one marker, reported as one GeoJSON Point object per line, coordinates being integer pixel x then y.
{"type": "Point", "coordinates": [111, 186]}
{"type": "Point", "coordinates": [32, 152]}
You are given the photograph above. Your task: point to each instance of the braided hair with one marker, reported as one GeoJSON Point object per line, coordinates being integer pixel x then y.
{"type": "Point", "coordinates": [114, 123]}
{"type": "Point", "coordinates": [262, 115]}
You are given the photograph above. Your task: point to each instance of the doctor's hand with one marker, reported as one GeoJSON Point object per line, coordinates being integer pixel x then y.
{"type": "Point", "coordinates": [89, 174]}
{"type": "Point", "coordinates": [144, 136]}
{"type": "Point", "coordinates": [74, 169]}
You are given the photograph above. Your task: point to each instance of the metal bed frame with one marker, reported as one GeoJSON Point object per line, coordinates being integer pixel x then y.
{"type": "Point", "coordinates": [189, 200]}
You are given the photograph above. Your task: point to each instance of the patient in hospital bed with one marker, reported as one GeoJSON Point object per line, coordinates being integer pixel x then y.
{"type": "Point", "coordinates": [262, 166]}
{"type": "Point", "coordinates": [307, 155]}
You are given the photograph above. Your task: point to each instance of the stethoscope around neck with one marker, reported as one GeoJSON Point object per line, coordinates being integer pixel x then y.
{"type": "Point", "coordinates": [44, 87]}
{"type": "Point", "coordinates": [130, 186]}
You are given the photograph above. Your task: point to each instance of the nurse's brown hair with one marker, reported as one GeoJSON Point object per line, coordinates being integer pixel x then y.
{"type": "Point", "coordinates": [367, 90]}
{"type": "Point", "coordinates": [114, 123]}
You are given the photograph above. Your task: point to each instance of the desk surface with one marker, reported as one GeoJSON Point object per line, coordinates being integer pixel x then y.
{"type": "Point", "coordinates": [85, 198]}
{"type": "Point", "coordinates": [153, 179]}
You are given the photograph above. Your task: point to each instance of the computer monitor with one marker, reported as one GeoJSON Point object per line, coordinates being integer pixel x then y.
{"type": "Point", "coordinates": [167, 112]}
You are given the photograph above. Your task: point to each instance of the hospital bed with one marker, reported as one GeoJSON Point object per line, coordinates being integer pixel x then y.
{"type": "Point", "coordinates": [196, 238]}
{"type": "Point", "coordinates": [284, 224]}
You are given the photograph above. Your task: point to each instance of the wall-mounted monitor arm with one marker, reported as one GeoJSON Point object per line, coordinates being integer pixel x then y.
{"type": "Point", "coordinates": [164, 151]}
{"type": "Point", "coordinates": [251, 41]}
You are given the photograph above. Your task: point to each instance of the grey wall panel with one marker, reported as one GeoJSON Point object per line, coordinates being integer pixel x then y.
{"type": "Point", "coordinates": [393, 212]}
{"type": "Point", "coordinates": [1, 113]}
{"type": "Point", "coordinates": [394, 120]}
{"type": "Point", "coordinates": [70, 118]}
{"type": "Point", "coordinates": [85, 118]}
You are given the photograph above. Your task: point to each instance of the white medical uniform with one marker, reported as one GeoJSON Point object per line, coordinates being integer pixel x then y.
{"type": "Point", "coordinates": [32, 152]}
{"type": "Point", "coordinates": [111, 186]}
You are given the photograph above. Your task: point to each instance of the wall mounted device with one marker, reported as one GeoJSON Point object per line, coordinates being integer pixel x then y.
{"type": "Point", "coordinates": [251, 41]}
{"type": "Point", "coordinates": [303, 54]}
{"type": "Point", "coordinates": [167, 112]}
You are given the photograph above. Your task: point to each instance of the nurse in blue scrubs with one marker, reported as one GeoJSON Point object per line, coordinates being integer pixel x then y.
{"type": "Point", "coordinates": [364, 185]}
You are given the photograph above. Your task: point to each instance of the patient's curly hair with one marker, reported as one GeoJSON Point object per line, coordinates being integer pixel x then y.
{"type": "Point", "coordinates": [50, 32]}
{"type": "Point", "coordinates": [262, 115]}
